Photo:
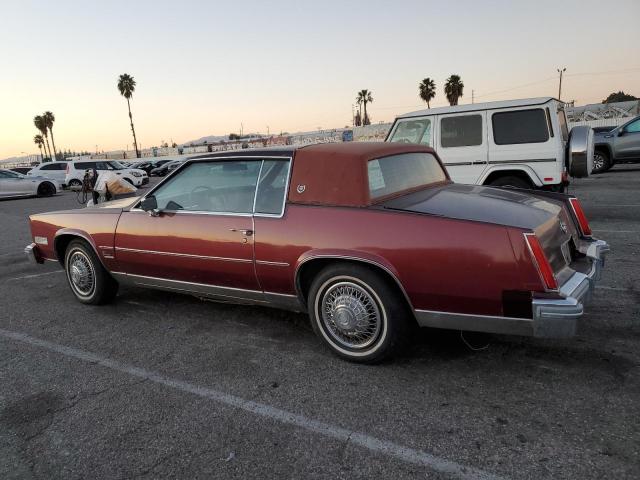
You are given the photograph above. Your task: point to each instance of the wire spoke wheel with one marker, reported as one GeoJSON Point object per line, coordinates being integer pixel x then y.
{"type": "Point", "coordinates": [351, 315]}
{"type": "Point", "coordinates": [81, 273]}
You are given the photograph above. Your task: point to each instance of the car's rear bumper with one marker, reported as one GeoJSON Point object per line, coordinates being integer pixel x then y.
{"type": "Point", "coordinates": [551, 317]}
{"type": "Point", "coordinates": [33, 254]}
{"type": "Point", "coordinates": [559, 317]}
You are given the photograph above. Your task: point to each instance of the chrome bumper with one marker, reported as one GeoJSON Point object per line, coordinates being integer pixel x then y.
{"type": "Point", "coordinates": [31, 251]}
{"type": "Point", "coordinates": [559, 317]}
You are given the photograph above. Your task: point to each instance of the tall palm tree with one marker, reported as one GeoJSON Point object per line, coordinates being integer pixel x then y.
{"type": "Point", "coordinates": [127, 85]}
{"type": "Point", "coordinates": [453, 89]}
{"type": "Point", "coordinates": [49, 118]}
{"type": "Point", "coordinates": [364, 97]}
{"type": "Point", "coordinates": [39, 141]}
{"type": "Point", "coordinates": [41, 125]}
{"type": "Point", "coordinates": [427, 90]}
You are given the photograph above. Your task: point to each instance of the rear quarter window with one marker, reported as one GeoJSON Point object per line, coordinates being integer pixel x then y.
{"type": "Point", "coordinates": [522, 126]}
{"type": "Point", "coordinates": [399, 173]}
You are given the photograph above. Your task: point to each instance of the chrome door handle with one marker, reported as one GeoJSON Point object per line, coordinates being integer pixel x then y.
{"type": "Point", "coordinates": [245, 232]}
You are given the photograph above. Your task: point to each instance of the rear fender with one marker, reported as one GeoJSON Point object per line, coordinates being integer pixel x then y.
{"type": "Point", "coordinates": [527, 170]}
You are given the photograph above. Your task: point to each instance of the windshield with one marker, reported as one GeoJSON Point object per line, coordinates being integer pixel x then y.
{"type": "Point", "coordinates": [399, 173]}
{"type": "Point", "coordinates": [116, 165]}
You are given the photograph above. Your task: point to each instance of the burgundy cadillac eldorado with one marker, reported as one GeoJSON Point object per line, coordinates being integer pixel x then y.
{"type": "Point", "coordinates": [371, 239]}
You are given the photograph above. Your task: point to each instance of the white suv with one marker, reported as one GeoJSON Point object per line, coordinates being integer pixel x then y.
{"type": "Point", "coordinates": [76, 170]}
{"type": "Point", "coordinates": [54, 170]}
{"type": "Point", "coordinates": [516, 143]}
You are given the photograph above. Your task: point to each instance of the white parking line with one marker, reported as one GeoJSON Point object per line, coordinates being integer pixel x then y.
{"type": "Point", "coordinates": [33, 276]}
{"type": "Point", "coordinates": [373, 444]}
{"type": "Point", "coordinates": [604, 287]}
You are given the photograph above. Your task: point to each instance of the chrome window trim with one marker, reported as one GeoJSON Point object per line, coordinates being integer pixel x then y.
{"type": "Point", "coordinates": [289, 159]}
{"type": "Point", "coordinates": [186, 255]}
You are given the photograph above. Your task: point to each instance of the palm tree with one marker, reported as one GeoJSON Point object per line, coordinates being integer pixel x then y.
{"type": "Point", "coordinates": [364, 97]}
{"type": "Point", "coordinates": [127, 85]}
{"type": "Point", "coordinates": [453, 89]}
{"type": "Point", "coordinates": [39, 141]}
{"type": "Point", "coordinates": [49, 118]}
{"type": "Point", "coordinates": [41, 125]}
{"type": "Point", "coordinates": [427, 90]}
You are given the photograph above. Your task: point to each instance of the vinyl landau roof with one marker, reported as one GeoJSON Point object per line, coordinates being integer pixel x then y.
{"type": "Point", "coordinates": [336, 174]}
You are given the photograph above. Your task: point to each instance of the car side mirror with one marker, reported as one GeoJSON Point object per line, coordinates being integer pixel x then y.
{"type": "Point", "coordinates": [150, 205]}
{"type": "Point", "coordinates": [621, 132]}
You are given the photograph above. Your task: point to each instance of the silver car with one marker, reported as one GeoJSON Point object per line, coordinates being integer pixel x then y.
{"type": "Point", "coordinates": [13, 184]}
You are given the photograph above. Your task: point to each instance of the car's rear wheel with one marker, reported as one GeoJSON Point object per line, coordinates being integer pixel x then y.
{"type": "Point", "coordinates": [75, 183]}
{"type": "Point", "coordinates": [510, 181]}
{"type": "Point", "coordinates": [89, 280]}
{"type": "Point", "coordinates": [601, 162]}
{"type": "Point", "coordinates": [46, 189]}
{"type": "Point", "coordinates": [358, 313]}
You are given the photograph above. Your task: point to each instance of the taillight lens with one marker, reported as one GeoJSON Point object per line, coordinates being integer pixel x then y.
{"type": "Point", "coordinates": [582, 218]}
{"type": "Point", "coordinates": [544, 267]}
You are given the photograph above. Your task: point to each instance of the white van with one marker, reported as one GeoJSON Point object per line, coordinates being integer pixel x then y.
{"type": "Point", "coordinates": [76, 171]}
{"type": "Point", "coordinates": [518, 143]}
{"type": "Point", "coordinates": [54, 170]}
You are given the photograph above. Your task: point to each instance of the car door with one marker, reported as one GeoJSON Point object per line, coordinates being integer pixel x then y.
{"type": "Point", "coordinates": [54, 170]}
{"type": "Point", "coordinates": [462, 145]}
{"type": "Point", "coordinates": [201, 238]}
{"type": "Point", "coordinates": [14, 184]}
{"type": "Point", "coordinates": [627, 143]}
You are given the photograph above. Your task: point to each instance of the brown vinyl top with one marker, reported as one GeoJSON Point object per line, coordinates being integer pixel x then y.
{"type": "Point", "coordinates": [336, 173]}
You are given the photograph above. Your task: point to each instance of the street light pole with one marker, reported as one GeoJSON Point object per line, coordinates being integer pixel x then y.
{"type": "Point", "coordinates": [560, 71]}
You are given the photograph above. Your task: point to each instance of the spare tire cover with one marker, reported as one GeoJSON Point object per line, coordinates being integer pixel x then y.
{"type": "Point", "coordinates": [580, 151]}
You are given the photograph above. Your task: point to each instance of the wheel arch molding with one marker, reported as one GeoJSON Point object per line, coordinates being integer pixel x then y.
{"type": "Point", "coordinates": [65, 236]}
{"type": "Point", "coordinates": [505, 170]}
{"type": "Point", "coordinates": [311, 263]}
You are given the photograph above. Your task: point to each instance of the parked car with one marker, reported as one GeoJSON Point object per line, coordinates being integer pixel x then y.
{"type": "Point", "coordinates": [165, 168]}
{"type": "Point", "coordinates": [371, 239]}
{"type": "Point", "coordinates": [148, 166]}
{"type": "Point", "coordinates": [21, 170]}
{"type": "Point", "coordinates": [519, 143]}
{"type": "Point", "coordinates": [54, 170]}
{"type": "Point", "coordinates": [620, 144]}
{"type": "Point", "coordinates": [76, 171]}
{"type": "Point", "coordinates": [14, 184]}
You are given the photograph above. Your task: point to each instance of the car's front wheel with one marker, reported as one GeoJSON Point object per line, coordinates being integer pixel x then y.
{"type": "Point", "coordinates": [46, 189]}
{"type": "Point", "coordinates": [90, 282]}
{"type": "Point", "coordinates": [358, 313]}
{"type": "Point", "coordinates": [75, 183]}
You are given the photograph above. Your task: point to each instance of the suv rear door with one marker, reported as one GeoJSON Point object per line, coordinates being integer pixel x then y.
{"type": "Point", "coordinates": [462, 145]}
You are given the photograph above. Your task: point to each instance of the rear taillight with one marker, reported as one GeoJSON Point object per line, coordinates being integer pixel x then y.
{"type": "Point", "coordinates": [540, 259]}
{"type": "Point", "coordinates": [67, 169]}
{"type": "Point", "coordinates": [580, 216]}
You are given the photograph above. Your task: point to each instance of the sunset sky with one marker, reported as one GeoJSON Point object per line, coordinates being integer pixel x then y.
{"type": "Point", "coordinates": [203, 67]}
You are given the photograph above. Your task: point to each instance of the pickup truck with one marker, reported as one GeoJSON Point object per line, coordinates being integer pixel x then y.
{"type": "Point", "coordinates": [622, 144]}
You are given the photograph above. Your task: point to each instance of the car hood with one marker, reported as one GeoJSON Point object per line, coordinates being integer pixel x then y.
{"type": "Point", "coordinates": [501, 206]}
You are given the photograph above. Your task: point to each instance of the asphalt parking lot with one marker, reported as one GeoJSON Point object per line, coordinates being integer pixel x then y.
{"type": "Point", "coordinates": [163, 385]}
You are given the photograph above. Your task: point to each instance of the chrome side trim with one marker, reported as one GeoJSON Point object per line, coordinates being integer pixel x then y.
{"type": "Point", "coordinates": [203, 289]}
{"type": "Point", "coordinates": [475, 323]}
{"type": "Point", "coordinates": [274, 264]}
{"type": "Point", "coordinates": [185, 255]}
{"type": "Point", "coordinates": [214, 292]}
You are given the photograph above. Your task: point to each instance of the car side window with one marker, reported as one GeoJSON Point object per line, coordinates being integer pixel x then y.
{"type": "Point", "coordinates": [633, 127]}
{"type": "Point", "coordinates": [272, 187]}
{"type": "Point", "coordinates": [85, 165]}
{"type": "Point", "coordinates": [215, 187]}
{"type": "Point", "coordinates": [520, 126]}
{"type": "Point", "coordinates": [52, 166]}
{"type": "Point", "coordinates": [413, 131]}
{"type": "Point", "coordinates": [461, 131]}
